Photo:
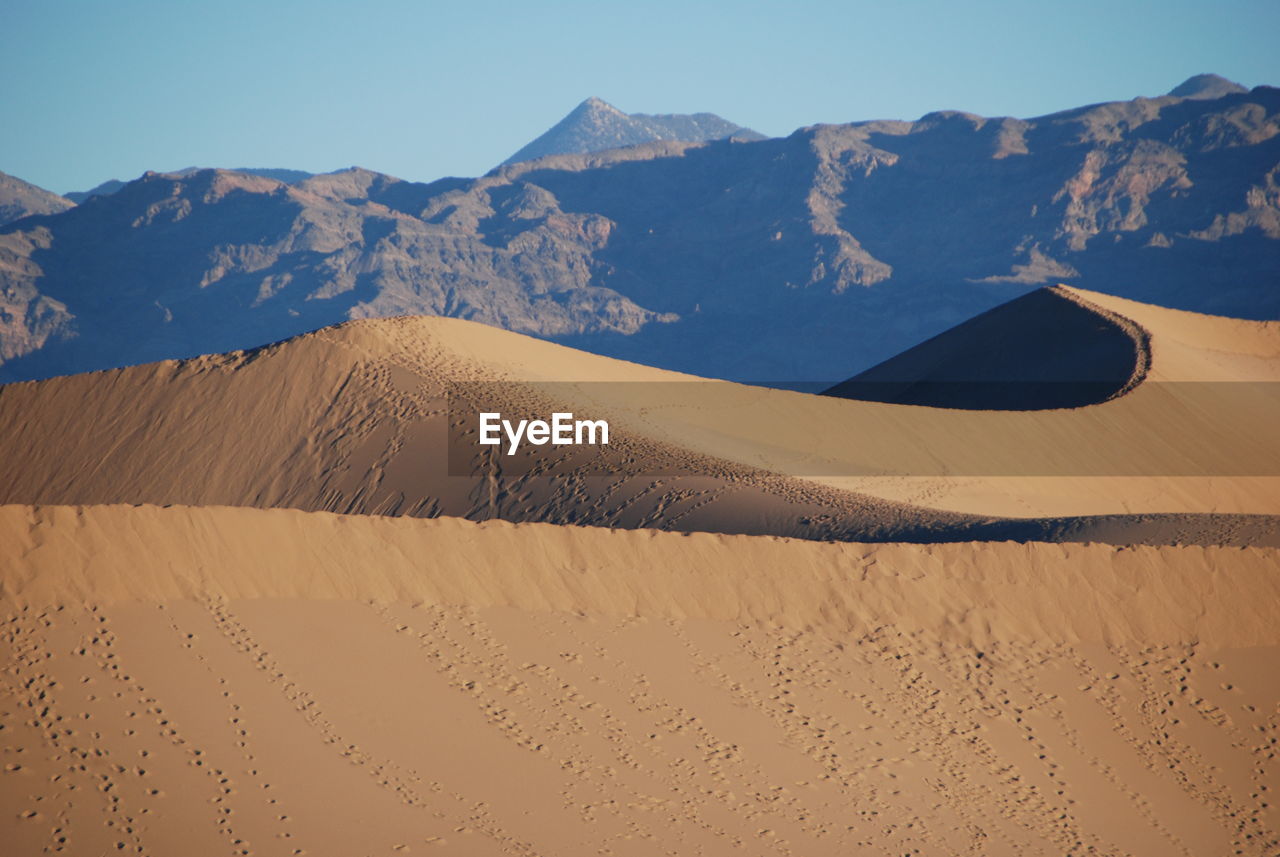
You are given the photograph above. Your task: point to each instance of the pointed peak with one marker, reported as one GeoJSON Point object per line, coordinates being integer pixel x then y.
{"type": "Point", "coordinates": [596, 125]}
{"type": "Point", "coordinates": [598, 105]}
{"type": "Point", "coordinates": [1206, 86]}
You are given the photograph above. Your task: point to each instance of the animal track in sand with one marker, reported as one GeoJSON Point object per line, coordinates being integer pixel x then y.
{"type": "Point", "coordinates": [645, 732]}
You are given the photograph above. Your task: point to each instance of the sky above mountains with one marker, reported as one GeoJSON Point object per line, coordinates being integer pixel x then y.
{"type": "Point", "coordinates": [421, 90]}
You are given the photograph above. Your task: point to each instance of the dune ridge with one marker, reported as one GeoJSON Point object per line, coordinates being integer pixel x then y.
{"type": "Point", "coordinates": [1051, 348]}
{"type": "Point", "coordinates": [971, 593]}
{"type": "Point", "coordinates": [353, 419]}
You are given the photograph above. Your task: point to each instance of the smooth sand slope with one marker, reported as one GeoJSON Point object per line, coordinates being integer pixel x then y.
{"type": "Point", "coordinates": [246, 681]}
{"type": "Point", "coordinates": [355, 419]}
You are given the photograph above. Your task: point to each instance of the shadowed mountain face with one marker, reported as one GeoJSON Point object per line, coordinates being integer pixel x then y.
{"type": "Point", "coordinates": [810, 257]}
{"type": "Point", "coordinates": [107, 188]}
{"type": "Point", "coordinates": [219, 260]}
{"type": "Point", "coordinates": [595, 125]}
{"type": "Point", "coordinates": [19, 199]}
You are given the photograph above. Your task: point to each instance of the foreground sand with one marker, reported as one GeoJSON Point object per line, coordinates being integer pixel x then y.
{"type": "Point", "coordinates": [214, 681]}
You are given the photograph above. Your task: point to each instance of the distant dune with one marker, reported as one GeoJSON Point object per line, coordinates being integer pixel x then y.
{"type": "Point", "coordinates": [1172, 367]}
{"type": "Point", "coordinates": [274, 682]}
{"type": "Point", "coordinates": [1048, 349]}
{"type": "Point", "coordinates": [354, 419]}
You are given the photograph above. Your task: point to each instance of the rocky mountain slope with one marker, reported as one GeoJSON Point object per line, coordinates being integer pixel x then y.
{"type": "Point", "coordinates": [110, 186]}
{"type": "Point", "coordinates": [595, 125]}
{"type": "Point", "coordinates": [19, 199]}
{"type": "Point", "coordinates": [809, 257]}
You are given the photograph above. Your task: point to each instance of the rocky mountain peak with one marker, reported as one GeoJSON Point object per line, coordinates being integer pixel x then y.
{"type": "Point", "coordinates": [1206, 86]}
{"type": "Point", "coordinates": [596, 125]}
{"type": "Point", "coordinates": [597, 105]}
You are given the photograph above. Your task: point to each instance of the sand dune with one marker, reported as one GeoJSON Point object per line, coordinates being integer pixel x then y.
{"type": "Point", "coordinates": [1192, 432]}
{"type": "Point", "coordinates": [1190, 427]}
{"type": "Point", "coordinates": [354, 419]}
{"type": "Point", "coordinates": [213, 681]}
{"type": "Point", "coordinates": [971, 593]}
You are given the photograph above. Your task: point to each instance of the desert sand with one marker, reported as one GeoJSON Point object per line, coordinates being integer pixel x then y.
{"type": "Point", "coordinates": [217, 681]}
{"type": "Point", "coordinates": [249, 609]}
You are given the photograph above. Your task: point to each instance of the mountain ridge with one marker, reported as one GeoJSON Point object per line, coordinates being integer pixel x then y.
{"type": "Point", "coordinates": [110, 186]}
{"type": "Point", "coordinates": [804, 258]}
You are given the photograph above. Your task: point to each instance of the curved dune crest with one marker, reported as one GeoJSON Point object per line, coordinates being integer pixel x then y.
{"type": "Point", "coordinates": [1186, 348]}
{"type": "Point", "coordinates": [355, 419]}
{"type": "Point", "coordinates": [1050, 348]}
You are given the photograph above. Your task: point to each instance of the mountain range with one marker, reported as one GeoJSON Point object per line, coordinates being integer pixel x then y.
{"type": "Point", "coordinates": [804, 258]}
{"type": "Point", "coordinates": [592, 126]}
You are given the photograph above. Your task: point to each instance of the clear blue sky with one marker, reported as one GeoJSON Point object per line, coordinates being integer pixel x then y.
{"type": "Point", "coordinates": [98, 90]}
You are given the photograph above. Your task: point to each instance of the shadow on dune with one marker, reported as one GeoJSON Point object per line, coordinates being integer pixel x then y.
{"type": "Point", "coordinates": [1047, 349]}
